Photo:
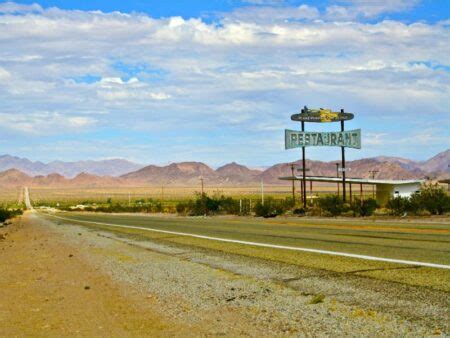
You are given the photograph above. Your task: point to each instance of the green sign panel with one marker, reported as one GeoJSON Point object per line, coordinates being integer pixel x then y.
{"type": "Point", "coordinates": [298, 139]}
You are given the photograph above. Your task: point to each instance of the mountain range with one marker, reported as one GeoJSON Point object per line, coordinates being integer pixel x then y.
{"type": "Point", "coordinates": [115, 172]}
{"type": "Point", "coordinates": [112, 167]}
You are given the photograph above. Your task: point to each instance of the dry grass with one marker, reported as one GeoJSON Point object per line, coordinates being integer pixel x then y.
{"type": "Point", "coordinates": [168, 194]}
{"type": "Point", "coordinates": [11, 196]}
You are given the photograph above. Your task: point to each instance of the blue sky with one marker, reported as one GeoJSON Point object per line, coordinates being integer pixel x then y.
{"type": "Point", "coordinates": [216, 81]}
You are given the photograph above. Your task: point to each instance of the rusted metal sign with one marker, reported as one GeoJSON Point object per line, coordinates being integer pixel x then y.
{"type": "Point", "coordinates": [298, 139]}
{"type": "Point", "coordinates": [321, 115]}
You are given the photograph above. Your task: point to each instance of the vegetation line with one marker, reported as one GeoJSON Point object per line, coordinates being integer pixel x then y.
{"type": "Point", "coordinates": [326, 252]}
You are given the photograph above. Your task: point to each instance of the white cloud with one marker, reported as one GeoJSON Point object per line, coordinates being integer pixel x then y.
{"type": "Point", "coordinates": [12, 7]}
{"type": "Point", "coordinates": [4, 74]}
{"type": "Point", "coordinates": [43, 123]}
{"type": "Point", "coordinates": [249, 71]}
{"type": "Point", "coordinates": [350, 9]}
{"type": "Point", "coordinates": [273, 13]}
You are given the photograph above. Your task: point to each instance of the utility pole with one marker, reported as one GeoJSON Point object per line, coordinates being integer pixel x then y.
{"type": "Point", "coordinates": [203, 195]}
{"type": "Point", "coordinates": [304, 168]}
{"type": "Point", "coordinates": [373, 173]}
{"type": "Point", "coordinates": [337, 175]}
{"type": "Point", "coordinates": [262, 191]}
{"type": "Point", "coordinates": [343, 163]}
{"type": "Point", "coordinates": [293, 182]}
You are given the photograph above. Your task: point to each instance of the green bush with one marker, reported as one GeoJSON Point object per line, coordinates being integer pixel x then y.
{"type": "Point", "coordinates": [331, 205]}
{"type": "Point", "coordinates": [434, 199]}
{"type": "Point", "coordinates": [221, 205]}
{"type": "Point", "coordinates": [272, 207]}
{"type": "Point", "coordinates": [299, 211]}
{"type": "Point", "coordinates": [430, 199]}
{"type": "Point", "coordinates": [141, 205]}
{"type": "Point", "coordinates": [205, 205]}
{"type": "Point", "coordinates": [7, 213]}
{"type": "Point", "coordinates": [399, 205]}
{"type": "Point", "coordinates": [364, 208]}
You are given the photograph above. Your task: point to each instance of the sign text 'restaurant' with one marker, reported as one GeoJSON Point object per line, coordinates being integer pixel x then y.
{"type": "Point", "coordinates": [298, 139]}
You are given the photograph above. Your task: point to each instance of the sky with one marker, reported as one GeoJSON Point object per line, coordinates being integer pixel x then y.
{"type": "Point", "coordinates": [217, 81]}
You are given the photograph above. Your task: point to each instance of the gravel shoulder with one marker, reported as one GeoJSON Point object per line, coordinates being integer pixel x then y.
{"type": "Point", "coordinates": [149, 287]}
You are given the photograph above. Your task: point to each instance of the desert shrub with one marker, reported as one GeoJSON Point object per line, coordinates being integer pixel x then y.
{"type": "Point", "coordinates": [299, 211]}
{"type": "Point", "coordinates": [431, 199]}
{"type": "Point", "coordinates": [331, 205]}
{"type": "Point", "coordinates": [317, 299]}
{"type": "Point", "coordinates": [7, 213]}
{"type": "Point", "coordinates": [399, 205]}
{"type": "Point", "coordinates": [141, 205]}
{"type": "Point", "coordinates": [214, 205]}
{"type": "Point", "coordinates": [272, 207]}
{"type": "Point", "coordinates": [364, 208]}
{"type": "Point", "coordinates": [264, 210]}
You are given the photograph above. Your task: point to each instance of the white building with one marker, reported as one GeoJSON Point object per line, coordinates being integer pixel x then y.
{"type": "Point", "coordinates": [385, 189]}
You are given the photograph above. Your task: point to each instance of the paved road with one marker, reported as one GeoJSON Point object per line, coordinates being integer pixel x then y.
{"type": "Point", "coordinates": [147, 226]}
{"type": "Point", "coordinates": [27, 199]}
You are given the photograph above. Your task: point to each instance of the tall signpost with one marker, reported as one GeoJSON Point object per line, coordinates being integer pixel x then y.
{"type": "Point", "coordinates": [343, 162]}
{"type": "Point", "coordinates": [293, 183]}
{"type": "Point", "coordinates": [304, 170]}
{"type": "Point", "coordinates": [343, 139]}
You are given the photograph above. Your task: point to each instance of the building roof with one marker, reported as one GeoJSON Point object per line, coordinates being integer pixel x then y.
{"type": "Point", "coordinates": [351, 180]}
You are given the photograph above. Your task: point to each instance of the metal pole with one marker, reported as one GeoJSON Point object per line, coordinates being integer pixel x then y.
{"type": "Point", "coordinates": [203, 196]}
{"type": "Point", "coordinates": [304, 169]}
{"type": "Point", "coordinates": [337, 175]}
{"type": "Point", "coordinates": [262, 191]}
{"type": "Point", "coordinates": [373, 172]}
{"type": "Point", "coordinates": [293, 183]}
{"type": "Point", "coordinates": [350, 186]}
{"type": "Point", "coordinates": [343, 164]}
{"type": "Point", "coordinates": [361, 193]}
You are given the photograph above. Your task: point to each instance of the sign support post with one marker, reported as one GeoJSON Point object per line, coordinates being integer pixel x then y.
{"type": "Point", "coordinates": [343, 139]}
{"type": "Point", "coordinates": [304, 170]}
{"type": "Point", "coordinates": [343, 164]}
{"type": "Point", "coordinates": [293, 182]}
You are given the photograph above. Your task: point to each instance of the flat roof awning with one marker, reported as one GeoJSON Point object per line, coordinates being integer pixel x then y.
{"type": "Point", "coordinates": [350, 180]}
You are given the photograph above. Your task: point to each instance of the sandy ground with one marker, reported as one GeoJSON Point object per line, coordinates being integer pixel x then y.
{"type": "Point", "coordinates": [46, 289]}
{"type": "Point", "coordinates": [60, 280]}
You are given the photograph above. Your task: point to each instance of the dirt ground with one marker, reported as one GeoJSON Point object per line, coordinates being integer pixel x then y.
{"type": "Point", "coordinates": [47, 290]}
{"type": "Point", "coordinates": [63, 280]}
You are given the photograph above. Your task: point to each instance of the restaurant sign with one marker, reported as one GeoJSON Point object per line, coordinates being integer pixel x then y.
{"type": "Point", "coordinates": [321, 115]}
{"type": "Point", "coordinates": [298, 139]}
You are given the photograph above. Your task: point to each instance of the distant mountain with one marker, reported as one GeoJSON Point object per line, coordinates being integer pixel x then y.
{"type": "Point", "coordinates": [188, 173]}
{"type": "Point", "coordinates": [184, 173]}
{"type": "Point", "coordinates": [113, 167]}
{"type": "Point", "coordinates": [16, 178]}
{"type": "Point", "coordinates": [237, 173]}
{"type": "Point", "coordinates": [436, 164]}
